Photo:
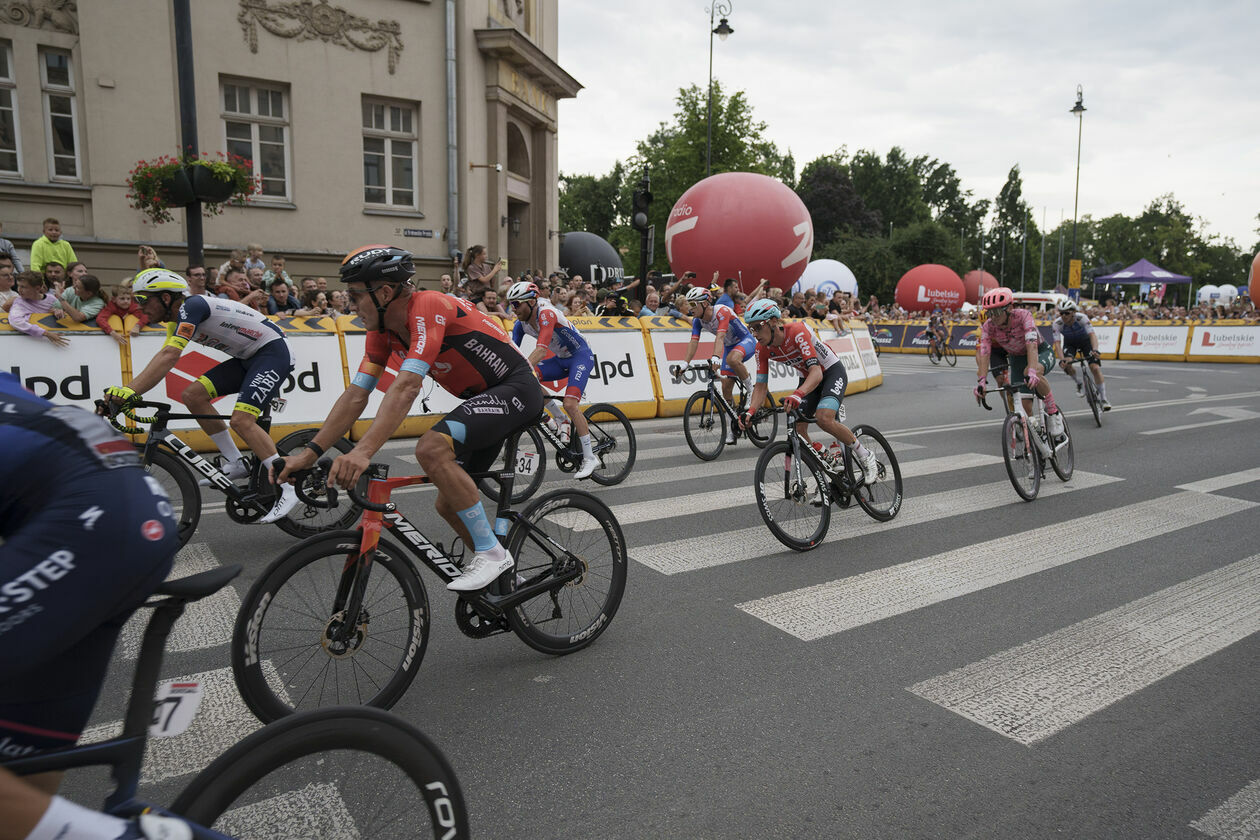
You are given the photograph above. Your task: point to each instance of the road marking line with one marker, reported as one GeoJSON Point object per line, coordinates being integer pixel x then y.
{"type": "Point", "coordinates": [694, 553]}
{"type": "Point", "coordinates": [206, 623]}
{"type": "Point", "coordinates": [324, 814]}
{"type": "Point", "coordinates": [815, 612]}
{"type": "Point", "coordinates": [1221, 482]}
{"type": "Point", "coordinates": [1035, 690]}
{"type": "Point", "coordinates": [1236, 818]}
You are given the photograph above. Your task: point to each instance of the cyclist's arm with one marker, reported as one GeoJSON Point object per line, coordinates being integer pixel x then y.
{"type": "Point", "coordinates": [719, 344]}
{"type": "Point", "coordinates": [982, 365]}
{"type": "Point", "coordinates": [691, 350]}
{"type": "Point", "coordinates": [812, 380]}
{"type": "Point", "coordinates": [401, 395]}
{"type": "Point", "coordinates": [157, 368]}
{"type": "Point", "coordinates": [347, 409]}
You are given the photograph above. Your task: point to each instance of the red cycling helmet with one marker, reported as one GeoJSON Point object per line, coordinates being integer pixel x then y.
{"type": "Point", "coordinates": [997, 298]}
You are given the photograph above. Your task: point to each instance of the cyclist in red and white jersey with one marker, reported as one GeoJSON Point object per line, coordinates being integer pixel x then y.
{"type": "Point", "coordinates": [823, 377]}
{"type": "Point", "coordinates": [430, 334]}
{"type": "Point", "coordinates": [1010, 335]}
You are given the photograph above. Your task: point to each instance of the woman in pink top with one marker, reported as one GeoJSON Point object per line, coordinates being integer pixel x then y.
{"type": "Point", "coordinates": [33, 299]}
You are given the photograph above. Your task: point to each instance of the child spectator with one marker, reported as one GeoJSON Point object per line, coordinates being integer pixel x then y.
{"type": "Point", "coordinates": [50, 247]}
{"type": "Point", "coordinates": [7, 293]}
{"type": "Point", "coordinates": [83, 301]}
{"type": "Point", "coordinates": [254, 260]}
{"type": "Point", "coordinates": [9, 250]}
{"type": "Point", "coordinates": [148, 258]}
{"type": "Point", "coordinates": [33, 298]}
{"type": "Point", "coordinates": [236, 259]}
{"type": "Point", "coordinates": [276, 272]}
{"type": "Point", "coordinates": [280, 302]}
{"type": "Point", "coordinates": [122, 316]}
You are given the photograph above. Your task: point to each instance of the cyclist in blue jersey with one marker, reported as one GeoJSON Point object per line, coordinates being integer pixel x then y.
{"type": "Point", "coordinates": [572, 357]}
{"type": "Point", "coordinates": [1074, 327]}
{"type": "Point", "coordinates": [85, 536]}
{"type": "Point", "coordinates": [261, 361]}
{"type": "Point", "coordinates": [733, 342]}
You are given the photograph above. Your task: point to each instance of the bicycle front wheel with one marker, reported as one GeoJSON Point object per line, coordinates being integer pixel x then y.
{"type": "Point", "coordinates": [765, 424]}
{"type": "Point", "coordinates": [558, 530]}
{"type": "Point", "coordinates": [882, 499]}
{"type": "Point", "coordinates": [612, 438]}
{"type": "Point", "coordinates": [792, 497]}
{"type": "Point", "coordinates": [304, 520]}
{"type": "Point", "coordinates": [338, 772]}
{"type": "Point", "coordinates": [180, 486]}
{"type": "Point", "coordinates": [934, 355]}
{"type": "Point", "coordinates": [704, 426]}
{"type": "Point", "coordinates": [951, 355]}
{"type": "Point", "coordinates": [1023, 460]}
{"type": "Point", "coordinates": [1064, 459]}
{"type": "Point", "coordinates": [1091, 396]}
{"type": "Point", "coordinates": [295, 647]}
{"type": "Point", "coordinates": [531, 466]}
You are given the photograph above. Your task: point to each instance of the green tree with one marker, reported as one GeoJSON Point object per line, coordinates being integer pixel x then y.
{"type": "Point", "coordinates": [1003, 255]}
{"type": "Point", "coordinates": [833, 204]}
{"type": "Point", "coordinates": [874, 262]}
{"type": "Point", "coordinates": [890, 187]}
{"type": "Point", "coordinates": [589, 203]}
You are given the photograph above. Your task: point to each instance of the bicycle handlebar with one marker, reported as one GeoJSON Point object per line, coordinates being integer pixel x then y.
{"type": "Point", "coordinates": [129, 411]}
{"type": "Point", "coordinates": [324, 466]}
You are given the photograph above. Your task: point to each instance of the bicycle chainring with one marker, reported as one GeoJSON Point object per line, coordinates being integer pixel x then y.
{"type": "Point", "coordinates": [244, 511]}
{"type": "Point", "coordinates": [475, 623]}
{"type": "Point", "coordinates": [567, 460]}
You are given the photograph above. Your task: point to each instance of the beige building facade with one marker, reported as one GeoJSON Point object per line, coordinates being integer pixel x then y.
{"type": "Point", "coordinates": [426, 124]}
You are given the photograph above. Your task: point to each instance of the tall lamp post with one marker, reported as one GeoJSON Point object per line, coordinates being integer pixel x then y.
{"type": "Point", "coordinates": [721, 30]}
{"type": "Point", "coordinates": [1079, 110]}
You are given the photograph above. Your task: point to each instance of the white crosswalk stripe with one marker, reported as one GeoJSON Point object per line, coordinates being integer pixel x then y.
{"type": "Point", "coordinates": [1238, 818]}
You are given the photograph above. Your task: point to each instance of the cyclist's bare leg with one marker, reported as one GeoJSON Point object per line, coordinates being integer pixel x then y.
{"type": "Point", "coordinates": [1096, 369]}
{"type": "Point", "coordinates": [802, 431]}
{"type": "Point", "coordinates": [456, 490]}
{"type": "Point", "coordinates": [580, 427]}
{"type": "Point", "coordinates": [197, 400]}
{"type": "Point", "coordinates": [246, 427]}
{"type": "Point", "coordinates": [735, 361]}
{"type": "Point", "coordinates": [827, 421]}
{"type": "Point", "coordinates": [23, 802]}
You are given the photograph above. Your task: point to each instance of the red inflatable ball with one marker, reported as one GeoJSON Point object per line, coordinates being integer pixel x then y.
{"type": "Point", "coordinates": [976, 283]}
{"type": "Point", "coordinates": [925, 287]}
{"type": "Point", "coordinates": [741, 225]}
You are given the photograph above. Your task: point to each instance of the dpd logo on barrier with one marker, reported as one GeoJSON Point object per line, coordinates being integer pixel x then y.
{"type": "Point", "coordinates": [71, 387]}
{"type": "Point", "coordinates": [604, 371]}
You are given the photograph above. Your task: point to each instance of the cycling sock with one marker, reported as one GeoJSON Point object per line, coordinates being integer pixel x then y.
{"type": "Point", "coordinates": [585, 440]}
{"type": "Point", "coordinates": [65, 819]}
{"type": "Point", "coordinates": [1102, 390]}
{"type": "Point", "coordinates": [859, 450]}
{"type": "Point", "coordinates": [1051, 406]}
{"type": "Point", "coordinates": [479, 527]}
{"type": "Point", "coordinates": [1077, 378]}
{"type": "Point", "coordinates": [223, 440]}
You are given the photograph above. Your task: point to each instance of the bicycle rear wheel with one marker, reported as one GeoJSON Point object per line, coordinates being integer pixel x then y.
{"type": "Point", "coordinates": [1023, 459]}
{"type": "Point", "coordinates": [531, 465]}
{"type": "Point", "coordinates": [286, 655]}
{"type": "Point", "coordinates": [180, 487]}
{"type": "Point", "coordinates": [882, 499]}
{"type": "Point", "coordinates": [765, 424]}
{"type": "Point", "coordinates": [304, 520]}
{"type": "Point", "coordinates": [1091, 396]}
{"type": "Point", "coordinates": [557, 530]}
{"type": "Point", "coordinates": [1064, 459]}
{"type": "Point", "coordinates": [793, 498]}
{"type": "Point", "coordinates": [612, 438]}
{"type": "Point", "coordinates": [704, 426]}
{"type": "Point", "coordinates": [934, 354]}
{"type": "Point", "coordinates": [951, 355]}
{"type": "Point", "coordinates": [338, 772]}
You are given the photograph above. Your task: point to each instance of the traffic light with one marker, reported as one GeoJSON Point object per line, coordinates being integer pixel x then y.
{"type": "Point", "coordinates": [639, 210]}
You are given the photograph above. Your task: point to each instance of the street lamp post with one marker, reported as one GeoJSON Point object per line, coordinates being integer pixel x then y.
{"type": "Point", "coordinates": [1079, 110]}
{"type": "Point", "coordinates": [722, 30]}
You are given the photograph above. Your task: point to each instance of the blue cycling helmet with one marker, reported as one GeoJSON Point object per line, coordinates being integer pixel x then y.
{"type": "Point", "coordinates": [762, 310]}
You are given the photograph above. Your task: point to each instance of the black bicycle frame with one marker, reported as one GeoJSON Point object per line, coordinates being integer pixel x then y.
{"type": "Point", "coordinates": [159, 435]}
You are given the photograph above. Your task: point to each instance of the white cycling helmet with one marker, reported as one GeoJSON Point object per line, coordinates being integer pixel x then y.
{"type": "Point", "coordinates": [696, 294]}
{"type": "Point", "coordinates": [522, 290]}
{"type": "Point", "coordinates": [1068, 305]}
{"type": "Point", "coordinates": [153, 280]}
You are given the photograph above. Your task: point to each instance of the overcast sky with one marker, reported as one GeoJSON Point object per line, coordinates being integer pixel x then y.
{"type": "Point", "coordinates": [1172, 91]}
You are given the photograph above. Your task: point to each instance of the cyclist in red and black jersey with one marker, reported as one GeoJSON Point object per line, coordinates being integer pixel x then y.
{"type": "Point", "coordinates": [823, 377]}
{"type": "Point", "coordinates": [427, 333]}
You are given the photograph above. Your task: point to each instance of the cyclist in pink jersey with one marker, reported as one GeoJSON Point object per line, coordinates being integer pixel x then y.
{"type": "Point", "coordinates": [1010, 335]}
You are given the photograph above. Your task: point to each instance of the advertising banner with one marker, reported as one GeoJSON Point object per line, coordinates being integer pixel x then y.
{"type": "Point", "coordinates": [1154, 341]}
{"type": "Point", "coordinates": [1108, 340]}
{"type": "Point", "coordinates": [1225, 343]}
{"type": "Point", "coordinates": [846, 349]}
{"type": "Point", "coordinates": [965, 338]}
{"type": "Point", "coordinates": [866, 349]}
{"type": "Point", "coordinates": [915, 339]}
{"type": "Point", "coordinates": [73, 375]}
{"type": "Point", "coordinates": [888, 336]}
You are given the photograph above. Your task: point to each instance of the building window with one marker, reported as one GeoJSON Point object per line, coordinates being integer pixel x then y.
{"type": "Point", "coordinates": [256, 127]}
{"type": "Point", "coordinates": [61, 128]}
{"type": "Point", "coordinates": [389, 154]}
{"type": "Point", "coordinates": [10, 155]}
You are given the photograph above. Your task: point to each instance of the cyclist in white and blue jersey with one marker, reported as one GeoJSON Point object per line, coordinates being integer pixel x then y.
{"type": "Point", "coordinates": [733, 342]}
{"type": "Point", "coordinates": [1074, 327]}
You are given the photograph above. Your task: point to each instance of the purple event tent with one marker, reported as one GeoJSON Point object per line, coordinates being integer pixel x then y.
{"type": "Point", "coordinates": [1143, 271]}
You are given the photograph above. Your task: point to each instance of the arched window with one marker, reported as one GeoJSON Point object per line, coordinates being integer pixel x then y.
{"type": "Point", "coordinates": [518, 152]}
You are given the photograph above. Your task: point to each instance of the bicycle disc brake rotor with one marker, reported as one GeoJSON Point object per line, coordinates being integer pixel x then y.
{"type": "Point", "coordinates": [474, 624]}
{"type": "Point", "coordinates": [342, 648]}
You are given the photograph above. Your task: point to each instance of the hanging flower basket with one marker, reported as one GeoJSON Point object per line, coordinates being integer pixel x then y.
{"type": "Point", "coordinates": [157, 187]}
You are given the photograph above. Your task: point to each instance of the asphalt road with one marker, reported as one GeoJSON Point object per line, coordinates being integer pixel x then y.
{"type": "Point", "coordinates": [1081, 666]}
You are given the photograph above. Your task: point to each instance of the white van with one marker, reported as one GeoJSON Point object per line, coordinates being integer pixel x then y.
{"type": "Point", "coordinates": [1040, 301]}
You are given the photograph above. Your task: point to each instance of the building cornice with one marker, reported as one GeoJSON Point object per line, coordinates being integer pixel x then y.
{"type": "Point", "coordinates": [511, 46]}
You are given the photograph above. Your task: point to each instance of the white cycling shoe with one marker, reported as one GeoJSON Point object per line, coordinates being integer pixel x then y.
{"type": "Point", "coordinates": [870, 467]}
{"type": "Point", "coordinates": [285, 502]}
{"type": "Point", "coordinates": [236, 471]}
{"type": "Point", "coordinates": [1056, 427]}
{"type": "Point", "coordinates": [589, 465]}
{"type": "Point", "coordinates": [483, 570]}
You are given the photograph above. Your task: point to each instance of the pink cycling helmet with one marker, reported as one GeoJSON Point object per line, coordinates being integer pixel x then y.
{"type": "Point", "coordinates": [999, 297]}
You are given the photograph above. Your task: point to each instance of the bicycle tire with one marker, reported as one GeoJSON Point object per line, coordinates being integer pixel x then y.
{"type": "Point", "coordinates": [951, 355]}
{"type": "Point", "coordinates": [778, 496]}
{"type": "Point", "coordinates": [612, 438]}
{"type": "Point", "coordinates": [302, 762]}
{"type": "Point", "coordinates": [701, 417]}
{"type": "Point", "coordinates": [305, 521]}
{"type": "Point", "coordinates": [934, 354]}
{"type": "Point", "coordinates": [1022, 458]}
{"type": "Point", "coordinates": [881, 500]}
{"type": "Point", "coordinates": [524, 485]}
{"type": "Point", "coordinates": [565, 516]}
{"type": "Point", "coordinates": [1063, 462]}
{"type": "Point", "coordinates": [389, 648]}
{"type": "Point", "coordinates": [1091, 395]}
{"type": "Point", "coordinates": [765, 426]}
{"type": "Point", "coordinates": [180, 486]}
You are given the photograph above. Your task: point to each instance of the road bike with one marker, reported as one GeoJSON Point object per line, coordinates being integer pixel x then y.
{"type": "Point", "coordinates": [1092, 397]}
{"type": "Point", "coordinates": [708, 416]}
{"type": "Point", "coordinates": [612, 441]}
{"type": "Point", "coordinates": [795, 484]}
{"type": "Point", "coordinates": [941, 349]}
{"type": "Point", "coordinates": [1026, 444]}
{"type": "Point", "coordinates": [336, 772]}
{"type": "Point", "coordinates": [344, 617]}
{"type": "Point", "coordinates": [177, 467]}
